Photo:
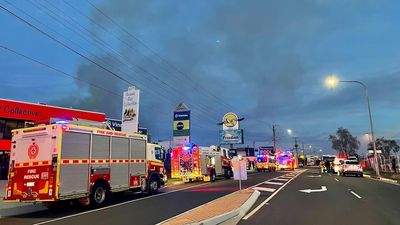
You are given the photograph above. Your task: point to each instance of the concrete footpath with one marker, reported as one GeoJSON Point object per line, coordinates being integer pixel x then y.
{"type": "Point", "coordinates": [225, 210]}
{"type": "Point", "coordinates": [13, 209]}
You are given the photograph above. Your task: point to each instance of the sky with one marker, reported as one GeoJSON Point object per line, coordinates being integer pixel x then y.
{"type": "Point", "coordinates": [263, 60]}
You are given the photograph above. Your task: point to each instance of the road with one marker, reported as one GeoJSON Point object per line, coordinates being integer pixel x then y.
{"type": "Point", "coordinates": [140, 208]}
{"type": "Point", "coordinates": [344, 200]}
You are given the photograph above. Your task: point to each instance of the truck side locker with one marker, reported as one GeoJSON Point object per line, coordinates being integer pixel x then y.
{"type": "Point", "coordinates": [119, 176]}
{"type": "Point", "coordinates": [74, 174]}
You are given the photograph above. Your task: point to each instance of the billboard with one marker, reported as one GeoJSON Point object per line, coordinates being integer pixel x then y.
{"type": "Point", "coordinates": [130, 110]}
{"type": "Point", "coordinates": [231, 136]}
{"type": "Point", "coordinates": [181, 125]}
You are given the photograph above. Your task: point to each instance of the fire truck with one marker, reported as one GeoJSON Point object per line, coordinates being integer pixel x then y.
{"type": "Point", "coordinates": [266, 161]}
{"type": "Point", "coordinates": [285, 160]}
{"type": "Point", "coordinates": [58, 162]}
{"type": "Point", "coordinates": [192, 162]}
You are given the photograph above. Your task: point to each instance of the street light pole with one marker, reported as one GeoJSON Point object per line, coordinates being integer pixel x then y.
{"type": "Point", "coordinates": [370, 121]}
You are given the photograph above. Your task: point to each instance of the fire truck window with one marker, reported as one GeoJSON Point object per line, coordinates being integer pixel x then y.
{"type": "Point", "coordinates": [75, 145]}
{"type": "Point", "coordinates": [101, 147]}
{"type": "Point", "coordinates": [120, 148]}
{"type": "Point", "coordinates": [2, 128]}
{"type": "Point", "coordinates": [157, 152]}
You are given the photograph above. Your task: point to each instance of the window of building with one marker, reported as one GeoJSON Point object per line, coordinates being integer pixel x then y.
{"type": "Point", "coordinates": [6, 126]}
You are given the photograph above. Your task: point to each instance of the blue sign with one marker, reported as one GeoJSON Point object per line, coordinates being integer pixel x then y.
{"type": "Point", "coordinates": [184, 115]}
{"type": "Point", "coordinates": [114, 124]}
{"type": "Point", "coordinates": [231, 137]}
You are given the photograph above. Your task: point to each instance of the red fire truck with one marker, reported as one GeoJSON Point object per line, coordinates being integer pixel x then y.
{"type": "Point", "coordinates": [192, 162]}
{"type": "Point", "coordinates": [16, 114]}
{"type": "Point", "coordinates": [63, 161]}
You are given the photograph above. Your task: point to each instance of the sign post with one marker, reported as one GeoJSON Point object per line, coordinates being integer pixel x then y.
{"type": "Point", "coordinates": [239, 170]}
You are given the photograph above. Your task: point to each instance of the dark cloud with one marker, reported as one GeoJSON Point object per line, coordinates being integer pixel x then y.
{"type": "Point", "coordinates": [262, 59]}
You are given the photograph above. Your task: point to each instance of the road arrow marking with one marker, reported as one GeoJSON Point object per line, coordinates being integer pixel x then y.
{"type": "Point", "coordinates": [273, 183]}
{"type": "Point", "coordinates": [315, 176]}
{"type": "Point", "coordinates": [308, 191]}
{"type": "Point", "coordinates": [336, 179]}
{"type": "Point", "coordinates": [264, 189]}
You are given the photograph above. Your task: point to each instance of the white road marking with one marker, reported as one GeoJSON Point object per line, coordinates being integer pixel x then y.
{"type": "Point", "coordinates": [273, 183]}
{"type": "Point", "coordinates": [119, 204]}
{"type": "Point", "coordinates": [280, 179]}
{"type": "Point", "coordinates": [264, 189]}
{"type": "Point", "coordinates": [269, 198]}
{"type": "Point", "coordinates": [308, 191]}
{"type": "Point", "coordinates": [336, 179]}
{"type": "Point", "coordinates": [329, 174]}
{"type": "Point", "coordinates": [314, 176]}
{"type": "Point", "coordinates": [355, 194]}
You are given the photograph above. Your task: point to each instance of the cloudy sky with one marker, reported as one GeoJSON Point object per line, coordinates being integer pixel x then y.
{"type": "Point", "coordinates": [264, 60]}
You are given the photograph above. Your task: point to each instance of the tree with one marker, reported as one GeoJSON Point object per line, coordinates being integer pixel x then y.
{"type": "Point", "coordinates": [386, 145]}
{"type": "Point", "coordinates": [344, 142]}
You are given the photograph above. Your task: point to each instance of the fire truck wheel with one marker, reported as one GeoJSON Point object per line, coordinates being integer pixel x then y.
{"type": "Point", "coordinates": [99, 195]}
{"type": "Point", "coordinates": [153, 185]}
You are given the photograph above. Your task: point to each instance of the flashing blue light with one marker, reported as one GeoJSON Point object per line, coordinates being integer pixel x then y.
{"type": "Point", "coordinates": [186, 148]}
{"type": "Point", "coordinates": [62, 122]}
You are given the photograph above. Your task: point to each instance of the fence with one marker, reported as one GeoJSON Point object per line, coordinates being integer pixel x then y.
{"type": "Point", "coordinates": [385, 164]}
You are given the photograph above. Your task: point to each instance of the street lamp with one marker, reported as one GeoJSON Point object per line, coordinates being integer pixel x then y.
{"type": "Point", "coordinates": [331, 82]}
{"type": "Point", "coordinates": [289, 131]}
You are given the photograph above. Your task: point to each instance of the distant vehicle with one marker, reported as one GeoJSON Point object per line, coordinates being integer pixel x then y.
{"type": "Point", "coordinates": [337, 163]}
{"type": "Point", "coordinates": [266, 162]}
{"type": "Point", "coordinates": [351, 167]}
{"type": "Point", "coordinates": [327, 159]}
{"type": "Point", "coordinates": [192, 162]}
{"type": "Point", "coordinates": [284, 161]}
{"type": "Point", "coordinates": [301, 165]}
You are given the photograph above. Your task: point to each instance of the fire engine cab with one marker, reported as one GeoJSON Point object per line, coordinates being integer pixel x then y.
{"type": "Point", "coordinates": [192, 162]}
{"type": "Point", "coordinates": [64, 161]}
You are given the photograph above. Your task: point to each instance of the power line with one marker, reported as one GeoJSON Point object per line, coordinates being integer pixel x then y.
{"type": "Point", "coordinates": [57, 70]}
{"type": "Point", "coordinates": [200, 107]}
{"type": "Point", "coordinates": [158, 55]}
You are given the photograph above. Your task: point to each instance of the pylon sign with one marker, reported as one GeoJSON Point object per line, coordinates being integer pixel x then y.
{"type": "Point", "coordinates": [130, 110]}
{"type": "Point", "coordinates": [181, 126]}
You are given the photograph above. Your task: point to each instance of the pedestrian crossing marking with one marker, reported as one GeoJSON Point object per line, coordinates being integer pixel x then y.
{"type": "Point", "coordinates": [273, 183]}
{"type": "Point", "coordinates": [280, 179]}
{"type": "Point", "coordinates": [264, 189]}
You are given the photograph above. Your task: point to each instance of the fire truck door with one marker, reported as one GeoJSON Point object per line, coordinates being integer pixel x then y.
{"type": "Point", "coordinates": [74, 174]}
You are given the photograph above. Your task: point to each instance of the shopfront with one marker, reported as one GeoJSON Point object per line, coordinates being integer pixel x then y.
{"type": "Point", "coordinates": [15, 114]}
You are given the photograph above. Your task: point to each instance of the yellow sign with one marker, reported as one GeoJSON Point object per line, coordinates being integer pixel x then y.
{"type": "Point", "coordinates": [181, 125]}
{"type": "Point", "coordinates": [230, 121]}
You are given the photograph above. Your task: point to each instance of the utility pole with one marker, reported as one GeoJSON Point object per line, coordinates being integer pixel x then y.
{"type": "Point", "coordinates": [296, 146]}
{"type": "Point", "coordinates": [274, 136]}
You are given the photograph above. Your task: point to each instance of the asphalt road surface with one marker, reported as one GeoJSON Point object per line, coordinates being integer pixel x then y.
{"type": "Point", "coordinates": [332, 200]}
{"type": "Point", "coordinates": [142, 209]}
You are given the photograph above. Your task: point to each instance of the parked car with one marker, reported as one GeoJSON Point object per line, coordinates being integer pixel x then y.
{"type": "Point", "coordinates": [351, 167]}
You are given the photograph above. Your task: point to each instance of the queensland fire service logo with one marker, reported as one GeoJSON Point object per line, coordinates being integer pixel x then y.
{"type": "Point", "coordinates": [33, 151]}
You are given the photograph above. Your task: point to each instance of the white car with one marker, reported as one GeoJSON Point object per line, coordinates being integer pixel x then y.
{"type": "Point", "coordinates": [351, 167]}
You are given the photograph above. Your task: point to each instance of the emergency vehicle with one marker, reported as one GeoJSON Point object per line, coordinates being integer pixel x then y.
{"type": "Point", "coordinates": [285, 161]}
{"type": "Point", "coordinates": [65, 161]}
{"type": "Point", "coordinates": [266, 161]}
{"type": "Point", "coordinates": [192, 162]}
